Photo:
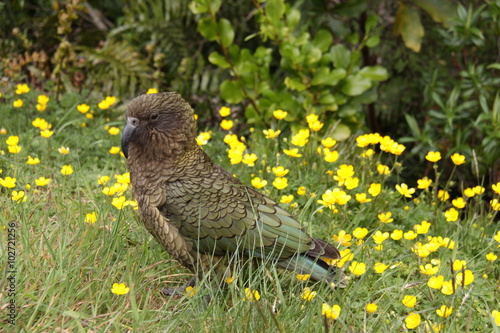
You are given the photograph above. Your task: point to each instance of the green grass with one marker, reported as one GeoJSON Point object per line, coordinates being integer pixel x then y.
{"type": "Point", "coordinates": [65, 267]}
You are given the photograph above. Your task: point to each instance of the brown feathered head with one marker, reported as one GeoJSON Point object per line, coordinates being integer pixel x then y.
{"type": "Point", "coordinates": [158, 126]}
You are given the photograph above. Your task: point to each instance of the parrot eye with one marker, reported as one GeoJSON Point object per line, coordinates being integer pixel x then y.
{"type": "Point", "coordinates": [153, 117]}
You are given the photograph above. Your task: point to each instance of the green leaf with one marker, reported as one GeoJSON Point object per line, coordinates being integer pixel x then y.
{"type": "Point", "coordinates": [323, 40]}
{"type": "Point", "coordinates": [441, 11]}
{"type": "Point", "coordinates": [293, 18]}
{"type": "Point", "coordinates": [231, 92]}
{"type": "Point", "coordinates": [410, 27]}
{"type": "Point", "coordinates": [313, 55]}
{"type": "Point", "coordinates": [323, 76]}
{"type": "Point", "coordinates": [294, 84]}
{"type": "Point", "coordinates": [251, 115]}
{"type": "Point", "coordinates": [373, 41]}
{"type": "Point", "coordinates": [214, 6]}
{"type": "Point", "coordinates": [327, 99]}
{"type": "Point", "coordinates": [374, 73]}
{"type": "Point", "coordinates": [371, 22]}
{"type": "Point", "coordinates": [356, 85]}
{"type": "Point", "coordinates": [274, 11]}
{"type": "Point", "coordinates": [197, 7]}
{"type": "Point", "coordinates": [218, 59]}
{"type": "Point", "coordinates": [208, 28]}
{"type": "Point", "coordinates": [341, 132]}
{"type": "Point", "coordinates": [226, 32]}
{"type": "Point", "coordinates": [341, 56]}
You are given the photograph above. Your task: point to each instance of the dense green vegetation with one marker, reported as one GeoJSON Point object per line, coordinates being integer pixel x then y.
{"type": "Point", "coordinates": [413, 206]}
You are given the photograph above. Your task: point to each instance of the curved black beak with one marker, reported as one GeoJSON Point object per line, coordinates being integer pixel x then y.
{"type": "Point", "coordinates": [128, 132]}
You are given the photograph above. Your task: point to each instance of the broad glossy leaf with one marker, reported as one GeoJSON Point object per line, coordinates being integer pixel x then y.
{"type": "Point", "coordinates": [226, 32]}
{"type": "Point", "coordinates": [356, 85]}
{"type": "Point", "coordinates": [218, 59]}
{"type": "Point", "coordinates": [441, 11]}
{"type": "Point", "coordinates": [410, 27]}
{"type": "Point", "coordinates": [323, 40]}
{"type": "Point", "coordinates": [231, 92]}
{"type": "Point", "coordinates": [341, 56]}
{"type": "Point", "coordinates": [374, 73]}
{"type": "Point", "coordinates": [208, 28]}
{"type": "Point", "coordinates": [275, 10]}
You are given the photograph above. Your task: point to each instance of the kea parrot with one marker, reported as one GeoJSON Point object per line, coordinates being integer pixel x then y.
{"type": "Point", "coordinates": [196, 210]}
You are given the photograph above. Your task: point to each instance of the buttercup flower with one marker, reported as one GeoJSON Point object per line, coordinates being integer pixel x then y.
{"type": "Point", "coordinates": [83, 108]}
{"type": "Point", "coordinates": [32, 161]}
{"type": "Point", "coordinates": [8, 182]}
{"type": "Point", "coordinates": [67, 170]}
{"type": "Point", "coordinates": [428, 269]}
{"type": "Point", "coordinates": [375, 189]}
{"type": "Point", "coordinates": [380, 267]}
{"type": "Point", "coordinates": [371, 307]}
{"type": "Point", "coordinates": [383, 169]}
{"type": "Point", "coordinates": [258, 183]}
{"type": "Point", "coordinates": [343, 238]}
{"type": "Point", "coordinates": [280, 114]}
{"type": "Point", "coordinates": [444, 311]}
{"type": "Point", "coordinates": [409, 301]}
{"type": "Point", "coordinates": [251, 295]}
{"type": "Point", "coordinates": [292, 152]}
{"type": "Point", "coordinates": [436, 282]}
{"type": "Point", "coordinates": [120, 289]}
{"type": "Point", "coordinates": [280, 171]}
{"type": "Point", "coordinates": [433, 156]}
{"type": "Point", "coordinates": [42, 181]}
{"type": "Point", "coordinates": [385, 217]}
{"type": "Point", "coordinates": [152, 91]}
{"type": "Point", "coordinates": [451, 215]}
{"type": "Point", "coordinates": [18, 103]}
{"type": "Point", "coordinates": [331, 312]}
{"type": "Point", "coordinates": [424, 183]}
{"type": "Point", "coordinates": [91, 218]}
{"type": "Point", "coordinates": [271, 134]}
{"type": "Point", "coordinates": [114, 130]}
{"type": "Point", "coordinates": [280, 183]}
{"type": "Point", "coordinates": [357, 268]}
{"type": "Point", "coordinates": [22, 89]}
{"type": "Point", "coordinates": [413, 320]}
{"type": "Point", "coordinates": [307, 294]}
{"type": "Point", "coordinates": [457, 159]}
{"type": "Point", "coordinates": [404, 190]}
{"type": "Point", "coordinates": [328, 142]}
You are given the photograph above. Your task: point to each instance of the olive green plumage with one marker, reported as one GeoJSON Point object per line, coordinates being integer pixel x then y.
{"type": "Point", "coordinates": [198, 211]}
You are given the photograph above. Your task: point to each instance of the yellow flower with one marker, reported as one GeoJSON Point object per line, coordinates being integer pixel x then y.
{"type": "Point", "coordinates": [224, 111]}
{"type": "Point", "coordinates": [397, 234]}
{"type": "Point", "coordinates": [46, 133]}
{"type": "Point", "coordinates": [203, 137]}
{"type": "Point", "coordinates": [8, 182]}
{"type": "Point", "coordinates": [451, 215]}
{"type": "Point", "coordinates": [375, 189]}
{"type": "Point", "coordinates": [383, 169]}
{"type": "Point", "coordinates": [335, 196]}
{"type": "Point", "coordinates": [424, 183]}
{"type": "Point", "coordinates": [301, 138]}
{"type": "Point", "coordinates": [331, 312]}
{"type": "Point", "coordinates": [13, 140]}
{"type": "Point", "coordinates": [380, 267]}
{"type": "Point", "coordinates": [18, 196]}
{"type": "Point", "coordinates": [459, 202]}
{"type": "Point", "coordinates": [368, 153]}
{"type": "Point", "coordinates": [428, 269]}
{"type": "Point", "coordinates": [226, 124]}
{"type": "Point", "coordinates": [301, 190]}
{"type": "Point", "coordinates": [331, 156]}
{"type": "Point", "coordinates": [258, 183]}
{"type": "Point", "coordinates": [433, 156]}
{"type": "Point", "coordinates": [14, 149]}
{"type": "Point", "coordinates": [343, 238]}
{"type": "Point", "coordinates": [280, 114]}
{"type": "Point", "coordinates": [496, 188]}
{"type": "Point", "coordinates": [404, 190]}
{"type": "Point", "coordinates": [32, 161]}
{"type": "Point", "coordinates": [385, 217]}
{"type": "Point", "coordinates": [436, 282]}
{"type": "Point", "coordinates": [412, 320]}
{"type": "Point", "coordinates": [41, 107]}
{"type": "Point", "coordinates": [344, 172]}
{"type": "Point", "coordinates": [119, 202]}
{"type": "Point", "coordinates": [469, 192]}
{"type": "Point", "coordinates": [302, 277]}
{"type": "Point", "coordinates": [103, 180]}
{"type": "Point", "coordinates": [43, 99]}
{"type": "Point", "coordinates": [422, 228]}
{"type": "Point", "coordinates": [18, 103]}
{"type": "Point", "coordinates": [286, 199]}
{"type": "Point", "coordinates": [491, 256]}
{"type": "Point", "coordinates": [468, 279]}
{"type": "Point", "coordinates": [114, 130]}
{"type": "Point", "coordinates": [114, 150]}
{"type": "Point", "coordinates": [447, 287]}
{"type": "Point", "coordinates": [409, 301]}
{"type": "Point", "coordinates": [371, 307]}
{"type": "Point", "coordinates": [251, 295]}
{"type": "Point", "coordinates": [360, 233]}
{"type": "Point", "coordinates": [311, 118]}
{"type": "Point", "coordinates": [40, 123]}
{"type": "Point", "coordinates": [83, 108]}
{"type": "Point", "coordinates": [379, 237]}
{"type": "Point", "coordinates": [152, 91]}
{"type": "Point", "coordinates": [123, 178]}
{"type": "Point", "coordinates": [307, 294]}
{"type": "Point", "coordinates": [361, 198]}
{"type": "Point", "coordinates": [316, 126]}
{"type": "Point", "coordinates": [191, 291]}
{"type": "Point", "coordinates": [351, 183]}
{"type": "Point", "coordinates": [110, 100]}
{"type": "Point", "coordinates": [280, 183]}
{"type": "Point", "coordinates": [368, 139]}
{"type": "Point", "coordinates": [22, 89]}
{"type": "Point", "coordinates": [67, 170]}
{"type": "Point", "coordinates": [409, 235]}
{"type": "Point", "coordinates": [230, 279]}
{"type": "Point", "coordinates": [496, 317]}
{"type": "Point", "coordinates": [91, 218]}
{"type": "Point", "coordinates": [357, 268]}
{"type": "Point", "coordinates": [328, 142]}
{"type": "Point", "coordinates": [478, 190]}
{"type": "Point", "coordinates": [292, 152]}
{"type": "Point", "coordinates": [280, 171]}
{"type": "Point", "coordinates": [443, 195]}
{"type": "Point", "coordinates": [103, 105]}
{"type": "Point", "coordinates": [42, 181]}
{"type": "Point", "coordinates": [458, 159]}
{"type": "Point", "coordinates": [444, 311]}
{"type": "Point", "coordinates": [120, 289]}
{"type": "Point", "coordinates": [495, 204]}
{"type": "Point", "coordinates": [271, 134]}
{"type": "Point", "coordinates": [249, 159]}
